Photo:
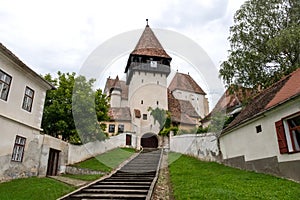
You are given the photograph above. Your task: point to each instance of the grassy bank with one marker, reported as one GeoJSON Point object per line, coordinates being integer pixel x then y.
{"type": "Point", "coordinates": [194, 179]}
{"type": "Point", "coordinates": [107, 161]}
{"type": "Point", "coordinates": [34, 189]}
{"type": "Point", "coordinates": [46, 188]}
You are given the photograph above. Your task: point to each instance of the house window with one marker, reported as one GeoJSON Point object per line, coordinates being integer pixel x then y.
{"type": "Point", "coordinates": [142, 80]}
{"type": "Point", "coordinates": [288, 134]}
{"type": "Point", "coordinates": [157, 82]}
{"type": "Point", "coordinates": [28, 99]}
{"type": "Point", "coordinates": [111, 128]}
{"type": "Point", "coordinates": [5, 81]}
{"type": "Point", "coordinates": [18, 150]}
{"type": "Point", "coordinates": [144, 116]}
{"type": "Point", "coordinates": [258, 129]}
{"type": "Point", "coordinates": [121, 128]}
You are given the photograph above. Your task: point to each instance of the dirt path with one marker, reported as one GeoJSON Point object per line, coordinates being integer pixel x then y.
{"type": "Point", "coordinates": [163, 189]}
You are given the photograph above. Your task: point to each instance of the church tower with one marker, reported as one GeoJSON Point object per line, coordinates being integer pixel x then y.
{"type": "Point", "coordinates": [147, 69]}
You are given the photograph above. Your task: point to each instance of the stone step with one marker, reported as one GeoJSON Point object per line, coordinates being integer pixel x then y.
{"type": "Point", "coordinates": [108, 196]}
{"type": "Point", "coordinates": [124, 182]}
{"type": "Point", "coordinates": [140, 187]}
{"type": "Point", "coordinates": [132, 181]}
{"type": "Point", "coordinates": [115, 191]}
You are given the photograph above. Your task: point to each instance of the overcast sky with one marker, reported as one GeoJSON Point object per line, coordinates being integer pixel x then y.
{"type": "Point", "coordinates": [56, 35]}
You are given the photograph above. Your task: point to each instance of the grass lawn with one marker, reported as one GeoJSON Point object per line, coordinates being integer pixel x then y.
{"type": "Point", "coordinates": [107, 161]}
{"type": "Point", "coordinates": [194, 179]}
{"type": "Point", "coordinates": [34, 189]}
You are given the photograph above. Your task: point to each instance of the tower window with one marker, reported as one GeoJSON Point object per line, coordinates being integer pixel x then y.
{"type": "Point", "coordinates": [144, 116]}
{"type": "Point", "coordinates": [157, 102]}
{"type": "Point", "coordinates": [142, 101]}
{"type": "Point", "coordinates": [157, 82]}
{"type": "Point", "coordinates": [142, 80]}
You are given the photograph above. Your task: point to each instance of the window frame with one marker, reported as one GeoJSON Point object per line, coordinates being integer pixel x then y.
{"type": "Point", "coordinates": [121, 128]}
{"type": "Point", "coordinates": [5, 83]}
{"type": "Point", "coordinates": [111, 128]}
{"type": "Point", "coordinates": [25, 99]}
{"type": "Point", "coordinates": [19, 145]}
{"type": "Point", "coordinates": [285, 139]}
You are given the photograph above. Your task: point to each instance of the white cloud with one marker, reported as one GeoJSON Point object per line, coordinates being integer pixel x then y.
{"type": "Point", "coordinates": [59, 35]}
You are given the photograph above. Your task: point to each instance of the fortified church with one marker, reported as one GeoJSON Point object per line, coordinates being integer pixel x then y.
{"type": "Point", "coordinates": [147, 70]}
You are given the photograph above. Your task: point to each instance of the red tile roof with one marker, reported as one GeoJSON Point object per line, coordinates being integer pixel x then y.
{"type": "Point", "coordinates": [148, 45]}
{"type": "Point", "coordinates": [186, 83]}
{"type": "Point", "coordinates": [278, 93]}
{"type": "Point", "coordinates": [290, 89]}
{"type": "Point", "coordinates": [181, 111]}
{"type": "Point", "coordinates": [116, 83]}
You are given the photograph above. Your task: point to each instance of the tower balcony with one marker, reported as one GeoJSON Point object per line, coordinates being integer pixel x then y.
{"type": "Point", "coordinates": [146, 67]}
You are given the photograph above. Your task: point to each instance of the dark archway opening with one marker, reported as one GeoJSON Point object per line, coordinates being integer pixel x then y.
{"type": "Point", "coordinates": [149, 140]}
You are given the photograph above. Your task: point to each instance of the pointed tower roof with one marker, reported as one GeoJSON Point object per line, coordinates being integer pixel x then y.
{"type": "Point", "coordinates": [148, 45]}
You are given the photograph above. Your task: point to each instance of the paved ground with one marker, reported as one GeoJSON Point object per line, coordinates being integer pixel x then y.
{"type": "Point", "coordinates": [163, 189]}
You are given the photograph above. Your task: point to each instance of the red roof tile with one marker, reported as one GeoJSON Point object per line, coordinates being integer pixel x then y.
{"type": "Point", "coordinates": [186, 83]}
{"type": "Point", "coordinates": [278, 93]}
{"type": "Point", "coordinates": [181, 111]}
{"type": "Point", "coordinates": [148, 45]}
{"type": "Point", "coordinates": [290, 89]}
{"type": "Point", "coordinates": [119, 84]}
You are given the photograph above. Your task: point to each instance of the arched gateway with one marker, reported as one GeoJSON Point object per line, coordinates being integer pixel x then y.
{"type": "Point", "coordinates": [149, 140]}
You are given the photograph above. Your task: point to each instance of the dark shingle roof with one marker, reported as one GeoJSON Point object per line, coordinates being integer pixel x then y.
{"type": "Point", "coordinates": [186, 83]}
{"type": "Point", "coordinates": [280, 92]}
{"type": "Point", "coordinates": [119, 114]}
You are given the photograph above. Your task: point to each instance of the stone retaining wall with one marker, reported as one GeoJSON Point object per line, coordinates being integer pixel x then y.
{"type": "Point", "coordinates": [203, 146]}
{"type": "Point", "coordinates": [76, 170]}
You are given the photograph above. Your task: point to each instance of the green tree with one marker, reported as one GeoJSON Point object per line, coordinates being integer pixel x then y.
{"type": "Point", "coordinates": [59, 109]}
{"type": "Point", "coordinates": [159, 115]}
{"type": "Point", "coordinates": [264, 41]}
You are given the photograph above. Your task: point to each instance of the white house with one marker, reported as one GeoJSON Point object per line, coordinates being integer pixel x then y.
{"type": "Point", "coordinates": [23, 150]}
{"type": "Point", "coordinates": [147, 70]}
{"type": "Point", "coordinates": [265, 136]}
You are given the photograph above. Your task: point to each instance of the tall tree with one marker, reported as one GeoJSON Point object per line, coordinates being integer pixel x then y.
{"type": "Point", "coordinates": [59, 110]}
{"type": "Point", "coordinates": [265, 40]}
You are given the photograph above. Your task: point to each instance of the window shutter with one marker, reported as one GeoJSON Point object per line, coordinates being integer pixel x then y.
{"type": "Point", "coordinates": [283, 148]}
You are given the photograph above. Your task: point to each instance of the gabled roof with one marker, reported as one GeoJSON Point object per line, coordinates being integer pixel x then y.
{"type": "Point", "coordinates": [181, 111]}
{"type": "Point", "coordinates": [117, 84]}
{"type": "Point", "coordinates": [148, 45]}
{"type": "Point", "coordinates": [119, 114]}
{"type": "Point", "coordinates": [186, 83]}
{"type": "Point", "coordinates": [280, 92]}
{"type": "Point", "coordinates": [16, 60]}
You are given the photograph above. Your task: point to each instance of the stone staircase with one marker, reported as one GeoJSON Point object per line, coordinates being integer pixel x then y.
{"type": "Point", "coordinates": [135, 180]}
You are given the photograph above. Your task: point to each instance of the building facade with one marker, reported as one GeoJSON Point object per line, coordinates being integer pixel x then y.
{"type": "Point", "coordinates": [146, 87]}
{"type": "Point", "coordinates": [265, 136]}
{"type": "Point", "coordinates": [23, 150]}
